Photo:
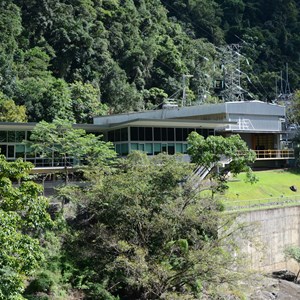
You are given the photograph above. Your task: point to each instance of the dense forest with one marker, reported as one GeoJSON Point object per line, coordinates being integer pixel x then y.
{"type": "Point", "coordinates": [149, 235]}
{"type": "Point", "coordinates": [60, 57]}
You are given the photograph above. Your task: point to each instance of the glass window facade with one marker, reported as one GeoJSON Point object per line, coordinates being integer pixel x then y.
{"type": "Point", "coordinates": [118, 135]}
{"type": "Point", "coordinates": [11, 143]}
{"type": "Point", "coordinates": [12, 146]}
{"type": "Point", "coordinates": [153, 140]}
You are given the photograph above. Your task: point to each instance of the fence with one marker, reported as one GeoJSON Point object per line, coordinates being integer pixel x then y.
{"type": "Point", "coordinates": [262, 203]}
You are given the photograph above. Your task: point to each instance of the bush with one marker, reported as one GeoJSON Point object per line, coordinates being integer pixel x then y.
{"type": "Point", "coordinates": [42, 283]}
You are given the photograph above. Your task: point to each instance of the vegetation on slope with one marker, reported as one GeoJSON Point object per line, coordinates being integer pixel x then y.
{"type": "Point", "coordinates": [61, 57]}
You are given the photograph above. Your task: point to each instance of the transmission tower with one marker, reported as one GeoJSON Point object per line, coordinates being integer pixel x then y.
{"type": "Point", "coordinates": [285, 90]}
{"type": "Point", "coordinates": [230, 64]}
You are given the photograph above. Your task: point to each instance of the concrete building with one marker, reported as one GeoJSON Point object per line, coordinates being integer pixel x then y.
{"type": "Point", "coordinates": [260, 125]}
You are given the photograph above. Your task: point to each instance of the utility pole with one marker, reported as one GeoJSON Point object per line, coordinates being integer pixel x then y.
{"type": "Point", "coordinates": [183, 101]}
{"type": "Point", "coordinates": [287, 89]}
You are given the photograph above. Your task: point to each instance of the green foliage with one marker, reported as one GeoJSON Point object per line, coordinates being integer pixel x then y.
{"type": "Point", "coordinates": [70, 145]}
{"type": "Point", "coordinates": [10, 112]}
{"type": "Point", "coordinates": [293, 110]}
{"type": "Point", "coordinates": [293, 252]}
{"type": "Point", "coordinates": [23, 217]}
{"type": "Point", "coordinates": [45, 98]}
{"type": "Point", "coordinates": [210, 153]}
{"type": "Point", "coordinates": [126, 49]}
{"type": "Point", "coordinates": [86, 102]}
{"type": "Point", "coordinates": [146, 236]}
{"type": "Point", "coordinates": [43, 282]}
{"type": "Point", "coordinates": [10, 29]}
{"type": "Point", "coordinates": [154, 97]}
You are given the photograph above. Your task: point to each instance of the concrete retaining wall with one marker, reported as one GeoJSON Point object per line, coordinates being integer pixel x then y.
{"type": "Point", "coordinates": [272, 231]}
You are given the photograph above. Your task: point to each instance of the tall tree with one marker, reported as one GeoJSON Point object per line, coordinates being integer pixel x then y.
{"type": "Point", "coordinates": [10, 28]}
{"type": "Point", "coordinates": [45, 98]}
{"type": "Point", "coordinates": [147, 236]}
{"type": "Point", "coordinates": [23, 218]}
{"type": "Point", "coordinates": [214, 150]}
{"type": "Point", "coordinates": [69, 145]}
{"type": "Point", "coordinates": [10, 112]}
{"type": "Point", "coordinates": [86, 102]}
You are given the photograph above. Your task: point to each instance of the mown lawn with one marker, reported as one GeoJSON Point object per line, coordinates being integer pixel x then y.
{"type": "Point", "coordinates": [271, 184]}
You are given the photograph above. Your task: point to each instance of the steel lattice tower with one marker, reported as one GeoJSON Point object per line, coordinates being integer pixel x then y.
{"type": "Point", "coordinates": [230, 64]}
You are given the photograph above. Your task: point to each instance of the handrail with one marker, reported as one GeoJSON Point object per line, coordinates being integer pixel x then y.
{"type": "Point", "coordinates": [275, 154]}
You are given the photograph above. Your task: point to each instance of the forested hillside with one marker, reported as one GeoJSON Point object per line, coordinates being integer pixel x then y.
{"type": "Point", "coordinates": [58, 58]}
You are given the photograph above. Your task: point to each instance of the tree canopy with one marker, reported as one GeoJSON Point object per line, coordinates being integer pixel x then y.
{"type": "Point", "coordinates": [70, 146]}
{"type": "Point", "coordinates": [23, 219]}
{"type": "Point", "coordinates": [59, 57]}
{"type": "Point", "coordinates": [232, 151]}
{"type": "Point", "coordinates": [146, 236]}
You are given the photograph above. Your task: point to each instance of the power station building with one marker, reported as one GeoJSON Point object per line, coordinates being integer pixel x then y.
{"type": "Point", "coordinates": [261, 125]}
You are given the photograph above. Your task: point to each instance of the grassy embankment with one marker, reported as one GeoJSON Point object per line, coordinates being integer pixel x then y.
{"type": "Point", "coordinates": [273, 187]}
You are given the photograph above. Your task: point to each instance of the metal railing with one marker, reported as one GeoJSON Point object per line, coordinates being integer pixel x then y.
{"type": "Point", "coordinates": [275, 154]}
{"type": "Point", "coordinates": [238, 205]}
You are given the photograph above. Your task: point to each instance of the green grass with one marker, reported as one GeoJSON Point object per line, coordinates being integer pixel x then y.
{"type": "Point", "coordinates": [271, 185]}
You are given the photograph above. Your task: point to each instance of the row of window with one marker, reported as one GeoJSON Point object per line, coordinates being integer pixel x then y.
{"type": "Point", "coordinates": [151, 148]}
{"type": "Point", "coordinates": [155, 134]}
{"type": "Point", "coordinates": [12, 152]}
{"type": "Point", "coordinates": [22, 151]}
{"type": "Point", "coordinates": [15, 151]}
{"type": "Point", "coordinates": [13, 136]}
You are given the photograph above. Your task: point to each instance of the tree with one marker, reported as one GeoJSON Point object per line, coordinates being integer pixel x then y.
{"type": "Point", "coordinates": [210, 152]}
{"type": "Point", "coordinates": [86, 102]}
{"type": "Point", "coordinates": [23, 217]}
{"type": "Point", "coordinates": [69, 146]}
{"type": "Point", "coordinates": [142, 234]}
{"type": "Point", "coordinates": [293, 252]}
{"type": "Point", "coordinates": [10, 112]}
{"type": "Point", "coordinates": [293, 110]}
{"type": "Point", "coordinates": [45, 98]}
{"type": "Point", "coordinates": [10, 29]}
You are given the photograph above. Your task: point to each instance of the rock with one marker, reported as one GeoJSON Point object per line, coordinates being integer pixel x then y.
{"type": "Point", "coordinates": [279, 289]}
{"type": "Point", "coordinates": [285, 275]}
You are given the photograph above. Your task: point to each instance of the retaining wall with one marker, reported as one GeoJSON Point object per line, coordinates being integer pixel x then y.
{"type": "Point", "coordinates": [271, 230]}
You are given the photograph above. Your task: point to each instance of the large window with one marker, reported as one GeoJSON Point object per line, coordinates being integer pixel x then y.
{"type": "Point", "coordinates": [171, 135]}
{"type": "Point", "coordinates": [148, 134]}
{"type": "Point", "coordinates": [164, 134]}
{"type": "Point", "coordinates": [122, 148]}
{"type": "Point", "coordinates": [3, 136]}
{"type": "Point", "coordinates": [157, 134]}
{"type": "Point", "coordinates": [141, 133]}
{"type": "Point", "coordinates": [179, 134]}
{"type": "Point", "coordinates": [156, 148]}
{"type": "Point", "coordinates": [118, 135]}
{"type": "Point", "coordinates": [134, 133]}
{"type": "Point", "coordinates": [10, 143]}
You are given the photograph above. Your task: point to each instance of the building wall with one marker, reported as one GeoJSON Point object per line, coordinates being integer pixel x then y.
{"type": "Point", "coordinates": [271, 230]}
{"type": "Point", "coordinates": [251, 108]}
{"type": "Point", "coordinates": [255, 123]}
